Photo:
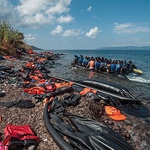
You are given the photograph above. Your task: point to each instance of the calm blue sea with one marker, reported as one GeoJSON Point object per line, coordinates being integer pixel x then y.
{"type": "Point", "coordinates": [137, 84]}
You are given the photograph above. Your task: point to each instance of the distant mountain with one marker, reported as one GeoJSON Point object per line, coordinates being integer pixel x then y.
{"type": "Point", "coordinates": [35, 48]}
{"type": "Point", "coordinates": [111, 48]}
{"type": "Point", "coordinates": [126, 48]}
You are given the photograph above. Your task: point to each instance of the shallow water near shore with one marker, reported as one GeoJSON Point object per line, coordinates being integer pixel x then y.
{"type": "Point", "coordinates": [139, 85]}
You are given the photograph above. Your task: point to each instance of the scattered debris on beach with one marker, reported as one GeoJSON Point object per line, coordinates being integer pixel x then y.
{"type": "Point", "coordinates": [22, 103]}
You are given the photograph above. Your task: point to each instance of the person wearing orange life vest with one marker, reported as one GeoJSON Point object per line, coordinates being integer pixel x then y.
{"type": "Point", "coordinates": [91, 64]}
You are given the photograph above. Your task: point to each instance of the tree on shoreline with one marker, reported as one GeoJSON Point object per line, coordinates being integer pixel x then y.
{"type": "Point", "coordinates": [10, 39]}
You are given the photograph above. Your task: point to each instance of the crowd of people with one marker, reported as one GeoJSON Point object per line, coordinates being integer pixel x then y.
{"type": "Point", "coordinates": [102, 64]}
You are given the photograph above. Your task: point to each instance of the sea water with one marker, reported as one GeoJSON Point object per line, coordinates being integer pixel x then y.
{"type": "Point", "coordinates": [141, 58]}
{"type": "Point", "coordinates": [139, 85]}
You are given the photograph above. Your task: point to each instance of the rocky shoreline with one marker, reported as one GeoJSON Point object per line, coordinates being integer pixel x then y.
{"type": "Point", "coordinates": [135, 130]}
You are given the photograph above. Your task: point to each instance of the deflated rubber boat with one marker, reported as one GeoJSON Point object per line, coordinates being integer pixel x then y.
{"type": "Point", "coordinates": [110, 89]}
{"type": "Point", "coordinates": [72, 132]}
{"type": "Point", "coordinates": [106, 90]}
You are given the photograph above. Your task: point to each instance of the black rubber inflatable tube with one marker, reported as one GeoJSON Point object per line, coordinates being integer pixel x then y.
{"type": "Point", "coordinates": [101, 85]}
{"type": "Point", "coordinates": [108, 87]}
{"type": "Point", "coordinates": [101, 91]}
{"type": "Point", "coordinates": [115, 95]}
{"type": "Point", "coordinates": [61, 143]}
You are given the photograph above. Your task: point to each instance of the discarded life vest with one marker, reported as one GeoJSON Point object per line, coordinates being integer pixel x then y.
{"type": "Point", "coordinates": [87, 90]}
{"type": "Point", "coordinates": [30, 65]}
{"type": "Point", "coordinates": [19, 132]}
{"type": "Point", "coordinates": [6, 57]}
{"type": "Point", "coordinates": [114, 113]}
{"type": "Point", "coordinates": [30, 51]}
{"type": "Point", "coordinates": [35, 90]}
{"type": "Point", "coordinates": [63, 84]}
{"type": "Point", "coordinates": [2, 146]}
{"type": "Point", "coordinates": [50, 87]}
{"type": "Point", "coordinates": [41, 60]}
{"type": "Point", "coordinates": [42, 81]}
{"type": "Point", "coordinates": [35, 78]}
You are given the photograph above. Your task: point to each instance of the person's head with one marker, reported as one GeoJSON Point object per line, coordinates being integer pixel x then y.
{"type": "Point", "coordinates": [118, 61]}
{"type": "Point", "coordinates": [92, 58]}
{"type": "Point", "coordinates": [130, 62]}
{"type": "Point", "coordinates": [112, 61]}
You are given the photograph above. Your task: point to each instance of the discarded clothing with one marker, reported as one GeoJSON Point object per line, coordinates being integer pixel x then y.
{"type": "Point", "coordinates": [18, 103]}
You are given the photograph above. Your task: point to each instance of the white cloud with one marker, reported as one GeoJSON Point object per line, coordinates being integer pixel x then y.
{"type": "Point", "coordinates": [122, 26]}
{"type": "Point", "coordinates": [59, 6]}
{"type": "Point", "coordinates": [39, 12]}
{"type": "Point", "coordinates": [66, 33]}
{"type": "Point", "coordinates": [49, 7]}
{"type": "Point", "coordinates": [36, 20]}
{"type": "Point", "coordinates": [35, 13]}
{"type": "Point", "coordinates": [93, 32]}
{"type": "Point", "coordinates": [6, 10]}
{"type": "Point", "coordinates": [72, 32]}
{"type": "Point", "coordinates": [129, 28]}
{"type": "Point", "coordinates": [89, 8]}
{"type": "Point", "coordinates": [65, 19]}
{"type": "Point", "coordinates": [28, 7]}
{"type": "Point", "coordinates": [29, 37]}
{"type": "Point", "coordinates": [57, 30]}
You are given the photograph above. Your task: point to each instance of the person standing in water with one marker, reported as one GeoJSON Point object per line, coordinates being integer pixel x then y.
{"type": "Point", "coordinates": [91, 64]}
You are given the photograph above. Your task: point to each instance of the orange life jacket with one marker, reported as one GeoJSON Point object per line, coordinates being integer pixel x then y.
{"type": "Point", "coordinates": [35, 77]}
{"type": "Point", "coordinates": [114, 113]}
{"type": "Point", "coordinates": [30, 65]}
{"type": "Point", "coordinates": [63, 84]}
{"type": "Point", "coordinates": [35, 90]}
{"type": "Point", "coordinates": [87, 90]}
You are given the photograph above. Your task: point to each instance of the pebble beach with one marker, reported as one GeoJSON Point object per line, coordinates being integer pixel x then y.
{"type": "Point", "coordinates": [134, 130]}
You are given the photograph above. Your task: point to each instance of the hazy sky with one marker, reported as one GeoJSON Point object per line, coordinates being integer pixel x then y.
{"type": "Point", "coordinates": [79, 24]}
